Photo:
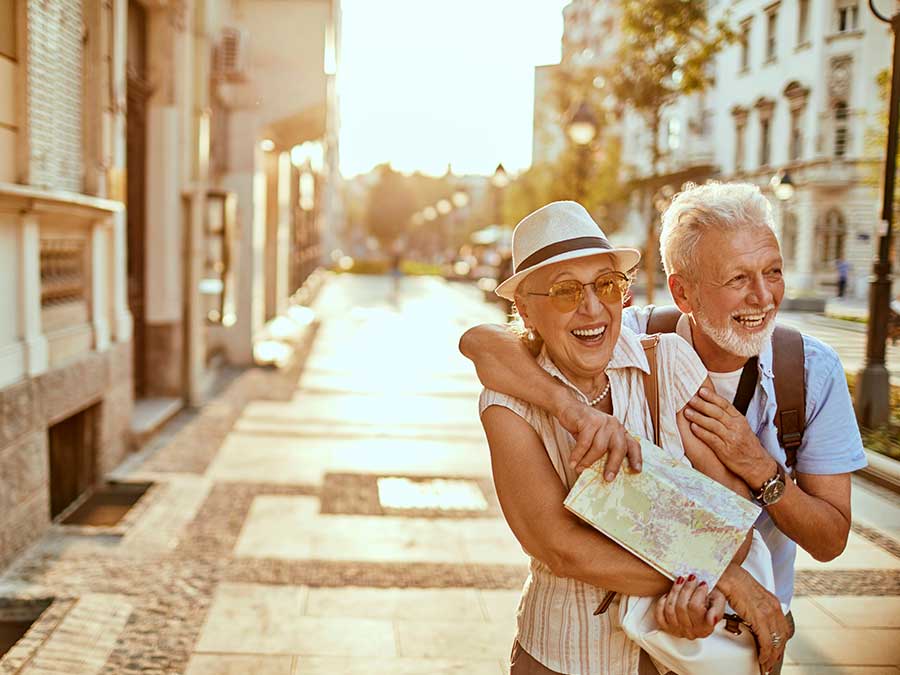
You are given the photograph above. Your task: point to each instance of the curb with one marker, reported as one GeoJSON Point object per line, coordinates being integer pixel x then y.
{"type": "Point", "coordinates": [882, 470]}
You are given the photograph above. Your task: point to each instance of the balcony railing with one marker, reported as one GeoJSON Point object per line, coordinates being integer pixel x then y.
{"type": "Point", "coordinates": [63, 278]}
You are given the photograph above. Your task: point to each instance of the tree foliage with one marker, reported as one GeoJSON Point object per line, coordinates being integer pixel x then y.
{"type": "Point", "coordinates": [666, 51]}
{"type": "Point", "coordinates": [390, 204]}
{"type": "Point", "coordinates": [600, 188]}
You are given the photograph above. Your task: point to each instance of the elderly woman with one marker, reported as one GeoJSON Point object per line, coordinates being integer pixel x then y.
{"type": "Point", "coordinates": [568, 287]}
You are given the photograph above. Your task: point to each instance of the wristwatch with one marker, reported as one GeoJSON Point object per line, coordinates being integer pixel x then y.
{"type": "Point", "coordinates": [772, 490]}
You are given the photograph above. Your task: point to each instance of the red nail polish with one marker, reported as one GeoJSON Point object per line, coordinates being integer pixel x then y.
{"type": "Point", "coordinates": [679, 580]}
{"type": "Point", "coordinates": [691, 578]}
{"type": "Point", "coordinates": [703, 583]}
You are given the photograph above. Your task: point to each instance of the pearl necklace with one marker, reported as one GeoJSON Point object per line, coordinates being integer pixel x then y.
{"type": "Point", "coordinates": [601, 396]}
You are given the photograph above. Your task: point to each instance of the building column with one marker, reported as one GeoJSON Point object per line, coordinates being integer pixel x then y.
{"type": "Point", "coordinates": [803, 278]}
{"type": "Point", "coordinates": [164, 217]}
{"type": "Point", "coordinates": [100, 290]}
{"type": "Point", "coordinates": [37, 354]}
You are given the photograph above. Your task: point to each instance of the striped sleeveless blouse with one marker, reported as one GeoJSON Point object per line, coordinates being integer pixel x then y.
{"type": "Point", "coordinates": [555, 617]}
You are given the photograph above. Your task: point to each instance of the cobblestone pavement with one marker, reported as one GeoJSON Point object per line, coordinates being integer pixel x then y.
{"type": "Point", "coordinates": [265, 546]}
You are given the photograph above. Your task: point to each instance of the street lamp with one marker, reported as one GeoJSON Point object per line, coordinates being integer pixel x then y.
{"type": "Point", "coordinates": [782, 185]}
{"type": "Point", "coordinates": [460, 198]}
{"type": "Point", "coordinates": [873, 382]}
{"type": "Point", "coordinates": [581, 128]}
{"type": "Point", "coordinates": [499, 180]}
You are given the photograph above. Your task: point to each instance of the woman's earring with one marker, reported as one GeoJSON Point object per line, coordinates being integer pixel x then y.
{"type": "Point", "coordinates": [530, 335]}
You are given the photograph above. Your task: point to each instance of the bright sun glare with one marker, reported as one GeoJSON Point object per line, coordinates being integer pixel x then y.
{"type": "Point", "coordinates": [424, 83]}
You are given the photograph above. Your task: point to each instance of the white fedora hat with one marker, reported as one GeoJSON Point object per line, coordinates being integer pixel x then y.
{"type": "Point", "coordinates": [556, 232]}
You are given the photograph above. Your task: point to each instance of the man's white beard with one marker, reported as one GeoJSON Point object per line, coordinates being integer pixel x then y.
{"type": "Point", "coordinates": [728, 339]}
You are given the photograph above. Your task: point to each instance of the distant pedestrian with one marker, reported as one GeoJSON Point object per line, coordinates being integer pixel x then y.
{"type": "Point", "coordinates": [843, 270]}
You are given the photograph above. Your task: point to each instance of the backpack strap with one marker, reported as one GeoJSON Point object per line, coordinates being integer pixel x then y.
{"type": "Point", "coordinates": [663, 319]}
{"type": "Point", "coordinates": [790, 389]}
{"type": "Point", "coordinates": [651, 383]}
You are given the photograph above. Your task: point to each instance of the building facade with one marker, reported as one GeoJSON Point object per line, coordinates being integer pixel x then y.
{"type": "Point", "coordinates": [66, 338]}
{"type": "Point", "coordinates": [797, 92]}
{"type": "Point", "coordinates": [151, 218]}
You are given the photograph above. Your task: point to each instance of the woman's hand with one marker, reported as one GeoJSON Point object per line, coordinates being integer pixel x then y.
{"type": "Point", "coordinates": [597, 434]}
{"type": "Point", "coordinates": [689, 610]}
{"type": "Point", "coordinates": [761, 610]}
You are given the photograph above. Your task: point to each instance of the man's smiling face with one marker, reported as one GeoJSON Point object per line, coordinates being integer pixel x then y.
{"type": "Point", "coordinates": [738, 288]}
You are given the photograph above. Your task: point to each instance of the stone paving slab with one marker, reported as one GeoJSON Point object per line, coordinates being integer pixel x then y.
{"type": "Point", "coordinates": [272, 519]}
{"type": "Point", "coordinates": [387, 411]}
{"type": "Point", "coordinates": [257, 619]}
{"type": "Point", "coordinates": [240, 664]}
{"type": "Point", "coordinates": [284, 458]}
{"type": "Point", "coordinates": [859, 554]}
{"type": "Point", "coordinates": [844, 646]}
{"type": "Point", "coordinates": [397, 666]}
{"type": "Point", "coordinates": [820, 669]}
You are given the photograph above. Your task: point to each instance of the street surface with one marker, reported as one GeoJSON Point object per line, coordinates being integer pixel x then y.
{"type": "Point", "coordinates": [278, 538]}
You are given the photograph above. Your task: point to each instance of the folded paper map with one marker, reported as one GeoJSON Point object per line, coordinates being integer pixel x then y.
{"type": "Point", "coordinates": [670, 515]}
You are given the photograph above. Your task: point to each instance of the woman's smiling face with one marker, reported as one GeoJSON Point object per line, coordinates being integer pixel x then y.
{"type": "Point", "coordinates": [580, 341]}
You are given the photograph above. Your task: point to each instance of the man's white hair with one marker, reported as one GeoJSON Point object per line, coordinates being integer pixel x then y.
{"type": "Point", "coordinates": [701, 208]}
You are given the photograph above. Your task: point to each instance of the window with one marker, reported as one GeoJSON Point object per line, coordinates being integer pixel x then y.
{"type": "Point", "coordinates": [802, 22]}
{"type": "Point", "coordinates": [739, 134]}
{"type": "Point", "coordinates": [796, 142]}
{"type": "Point", "coordinates": [771, 34]}
{"type": "Point", "coordinates": [765, 141]}
{"type": "Point", "coordinates": [847, 16]}
{"type": "Point", "coordinates": [744, 44]}
{"type": "Point", "coordinates": [841, 131]}
{"type": "Point", "coordinates": [674, 135]}
{"type": "Point", "coordinates": [831, 234]}
{"type": "Point", "coordinates": [789, 236]}
{"type": "Point", "coordinates": [7, 28]}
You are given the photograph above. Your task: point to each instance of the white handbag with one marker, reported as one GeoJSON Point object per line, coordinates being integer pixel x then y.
{"type": "Point", "coordinates": [721, 652]}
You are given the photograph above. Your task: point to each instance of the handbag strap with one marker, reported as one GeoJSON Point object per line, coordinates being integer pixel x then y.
{"type": "Point", "coordinates": [651, 383]}
{"type": "Point", "coordinates": [651, 393]}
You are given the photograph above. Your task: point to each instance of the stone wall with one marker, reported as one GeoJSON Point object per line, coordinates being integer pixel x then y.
{"type": "Point", "coordinates": [29, 408]}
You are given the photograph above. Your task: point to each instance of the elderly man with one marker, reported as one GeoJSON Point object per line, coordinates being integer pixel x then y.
{"type": "Point", "coordinates": [724, 271]}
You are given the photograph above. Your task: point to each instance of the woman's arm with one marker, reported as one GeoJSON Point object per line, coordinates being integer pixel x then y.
{"type": "Point", "coordinates": [504, 363]}
{"type": "Point", "coordinates": [531, 496]}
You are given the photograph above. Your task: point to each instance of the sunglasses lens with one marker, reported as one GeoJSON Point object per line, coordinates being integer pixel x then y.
{"type": "Point", "coordinates": [566, 295]}
{"type": "Point", "coordinates": [610, 287]}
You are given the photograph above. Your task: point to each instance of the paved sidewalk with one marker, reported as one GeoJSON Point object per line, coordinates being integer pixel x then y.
{"type": "Point", "coordinates": [277, 538]}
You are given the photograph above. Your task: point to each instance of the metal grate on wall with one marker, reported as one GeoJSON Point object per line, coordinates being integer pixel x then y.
{"type": "Point", "coordinates": [54, 75]}
{"type": "Point", "coordinates": [62, 271]}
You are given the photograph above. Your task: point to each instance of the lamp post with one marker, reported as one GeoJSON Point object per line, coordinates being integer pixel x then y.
{"type": "Point", "coordinates": [873, 382]}
{"type": "Point", "coordinates": [783, 187]}
{"type": "Point", "coordinates": [499, 181]}
{"type": "Point", "coordinates": [581, 128]}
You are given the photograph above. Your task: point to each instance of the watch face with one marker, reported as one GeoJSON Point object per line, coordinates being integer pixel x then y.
{"type": "Point", "coordinates": [773, 492]}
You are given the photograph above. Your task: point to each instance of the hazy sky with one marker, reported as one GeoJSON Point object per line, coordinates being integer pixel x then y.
{"type": "Point", "coordinates": [427, 82]}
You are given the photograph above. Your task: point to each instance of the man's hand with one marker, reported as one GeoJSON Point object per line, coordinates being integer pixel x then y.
{"type": "Point", "coordinates": [596, 434]}
{"type": "Point", "coordinates": [718, 424]}
{"type": "Point", "coordinates": [688, 610]}
{"type": "Point", "coordinates": [759, 609]}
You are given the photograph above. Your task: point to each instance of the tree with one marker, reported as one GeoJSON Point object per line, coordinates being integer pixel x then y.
{"type": "Point", "coordinates": [666, 51]}
{"type": "Point", "coordinates": [391, 203]}
{"type": "Point", "coordinates": [549, 182]}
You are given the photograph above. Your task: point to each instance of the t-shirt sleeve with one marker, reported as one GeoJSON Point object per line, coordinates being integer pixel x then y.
{"type": "Point", "coordinates": [683, 372]}
{"type": "Point", "coordinates": [831, 440]}
{"type": "Point", "coordinates": [490, 397]}
{"type": "Point", "coordinates": [635, 318]}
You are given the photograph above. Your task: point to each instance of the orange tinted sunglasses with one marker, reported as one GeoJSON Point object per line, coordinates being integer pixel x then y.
{"type": "Point", "coordinates": [568, 295]}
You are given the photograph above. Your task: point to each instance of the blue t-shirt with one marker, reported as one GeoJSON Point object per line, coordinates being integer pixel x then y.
{"type": "Point", "coordinates": [831, 441]}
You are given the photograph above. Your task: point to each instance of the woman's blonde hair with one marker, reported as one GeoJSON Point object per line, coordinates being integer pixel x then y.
{"type": "Point", "coordinates": [700, 208]}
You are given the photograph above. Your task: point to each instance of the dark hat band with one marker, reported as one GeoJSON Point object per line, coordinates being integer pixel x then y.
{"type": "Point", "coordinates": [558, 247]}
